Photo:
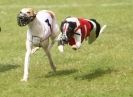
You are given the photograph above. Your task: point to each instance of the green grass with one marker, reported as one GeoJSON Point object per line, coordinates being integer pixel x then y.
{"type": "Point", "coordinates": [103, 69]}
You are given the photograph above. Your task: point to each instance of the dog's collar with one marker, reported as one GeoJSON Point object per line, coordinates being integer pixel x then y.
{"type": "Point", "coordinates": [76, 33]}
{"type": "Point", "coordinates": [39, 43]}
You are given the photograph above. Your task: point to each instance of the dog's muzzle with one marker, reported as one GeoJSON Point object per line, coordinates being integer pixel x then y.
{"type": "Point", "coordinates": [63, 40]}
{"type": "Point", "coordinates": [23, 19]}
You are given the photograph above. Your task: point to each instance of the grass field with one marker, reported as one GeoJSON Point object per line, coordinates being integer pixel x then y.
{"type": "Point", "coordinates": [103, 69]}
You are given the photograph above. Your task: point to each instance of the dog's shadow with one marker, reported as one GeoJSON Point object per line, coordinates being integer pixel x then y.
{"type": "Point", "coordinates": [95, 74]}
{"type": "Point", "coordinates": [61, 73]}
{"type": "Point", "coordinates": [7, 67]}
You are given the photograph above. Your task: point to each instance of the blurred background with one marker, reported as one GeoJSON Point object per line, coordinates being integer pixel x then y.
{"type": "Point", "coordinates": [102, 69]}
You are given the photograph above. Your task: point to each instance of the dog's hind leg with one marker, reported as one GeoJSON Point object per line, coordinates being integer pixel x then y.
{"type": "Point", "coordinates": [53, 38]}
{"type": "Point", "coordinates": [50, 59]}
{"type": "Point", "coordinates": [51, 44]}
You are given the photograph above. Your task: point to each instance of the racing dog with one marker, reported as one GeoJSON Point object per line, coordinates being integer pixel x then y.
{"type": "Point", "coordinates": [75, 30]}
{"type": "Point", "coordinates": [41, 26]}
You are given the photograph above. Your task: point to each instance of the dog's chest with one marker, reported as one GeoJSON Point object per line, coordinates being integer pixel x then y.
{"type": "Point", "coordinates": [37, 30]}
{"type": "Point", "coordinates": [39, 33]}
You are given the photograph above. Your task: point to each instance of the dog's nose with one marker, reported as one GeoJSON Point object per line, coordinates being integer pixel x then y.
{"type": "Point", "coordinates": [22, 14]}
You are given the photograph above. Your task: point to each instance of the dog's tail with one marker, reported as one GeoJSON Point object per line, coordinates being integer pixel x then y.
{"type": "Point", "coordinates": [102, 29]}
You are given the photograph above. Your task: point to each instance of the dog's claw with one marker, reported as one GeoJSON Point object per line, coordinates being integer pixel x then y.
{"type": "Point", "coordinates": [54, 68]}
{"type": "Point", "coordinates": [23, 80]}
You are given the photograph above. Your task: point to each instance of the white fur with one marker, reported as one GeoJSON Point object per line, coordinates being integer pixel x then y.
{"type": "Point", "coordinates": [103, 27]}
{"type": "Point", "coordinates": [39, 28]}
{"type": "Point", "coordinates": [61, 48]}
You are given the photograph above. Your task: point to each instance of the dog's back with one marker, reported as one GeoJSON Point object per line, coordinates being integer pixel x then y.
{"type": "Point", "coordinates": [49, 18]}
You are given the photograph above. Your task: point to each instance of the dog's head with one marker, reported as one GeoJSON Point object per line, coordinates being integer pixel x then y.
{"type": "Point", "coordinates": [25, 16]}
{"type": "Point", "coordinates": [68, 29]}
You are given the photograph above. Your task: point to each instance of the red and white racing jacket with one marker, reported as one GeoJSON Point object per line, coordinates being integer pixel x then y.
{"type": "Point", "coordinates": [82, 32]}
{"type": "Point", "coordinates": [79, 29]}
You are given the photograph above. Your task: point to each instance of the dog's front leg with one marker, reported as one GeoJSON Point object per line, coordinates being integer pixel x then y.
{"type": "Point", "coordinates": [27, 60]}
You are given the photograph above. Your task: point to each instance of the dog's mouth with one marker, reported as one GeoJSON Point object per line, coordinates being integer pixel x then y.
{"type": "Point", "coordinates": [23, 19]}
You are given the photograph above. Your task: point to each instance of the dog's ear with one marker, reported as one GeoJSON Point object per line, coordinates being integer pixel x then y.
{"type": "Point", "coordinates": [32, 12]}
{"type": "Point", "coordinates": [61, 27]}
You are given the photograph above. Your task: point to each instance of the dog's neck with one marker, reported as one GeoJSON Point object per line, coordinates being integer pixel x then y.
{"type": "Point", "coordinates": [33, 23]}
{"type": "Point", "coordinates": [36, 28]}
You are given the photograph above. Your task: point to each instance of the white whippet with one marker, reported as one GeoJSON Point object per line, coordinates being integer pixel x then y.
{"type": "Point", "coordinates": [41, 26]}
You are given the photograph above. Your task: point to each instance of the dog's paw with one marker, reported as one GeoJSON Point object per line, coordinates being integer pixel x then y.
{"type": "Point", "coordinates": [34, 50]}
{"type": "Point", "coordinates": [23, 80]}
{"type": "Point", "coordinates": [53, 66]}
{"type": "Point", "coordinates": [60, 48]}
{"type": "Point", "coordinates": [74, 47]}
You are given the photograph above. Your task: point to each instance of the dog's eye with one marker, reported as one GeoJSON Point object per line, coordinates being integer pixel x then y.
{"type": "Point", "coordinates": [28, 12]}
